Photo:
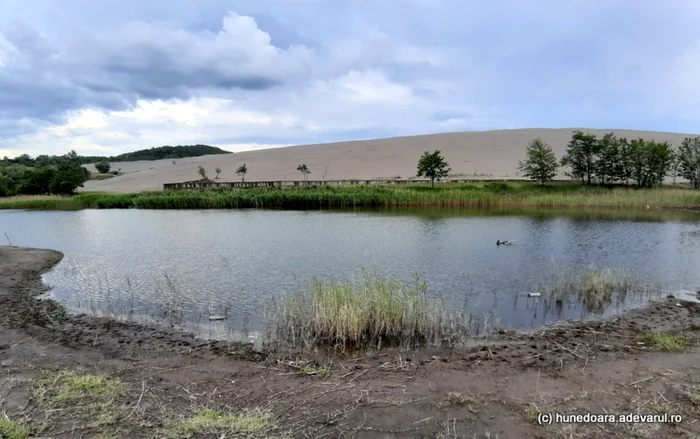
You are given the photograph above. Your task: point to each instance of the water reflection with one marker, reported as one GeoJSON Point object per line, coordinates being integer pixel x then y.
{"type": "Point", "coordinates": [184, 266]}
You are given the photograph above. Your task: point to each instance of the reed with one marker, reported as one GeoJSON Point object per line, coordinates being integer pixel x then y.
{"type": "Point", "coordinates": [448, 194]}
{"type": "Point", "coordinates": [594, 288]}
{"type": "Point", "coordinates": [373, 313]}
{"type": "Point", "coordinates": [41, 202]}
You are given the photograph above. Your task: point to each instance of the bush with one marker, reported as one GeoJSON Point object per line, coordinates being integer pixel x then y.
{"type": "Point", "coordinates": [103, 167]}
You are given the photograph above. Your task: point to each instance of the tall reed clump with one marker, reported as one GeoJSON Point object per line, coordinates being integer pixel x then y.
{"type": "Point", "coordinates": [372, 313]}
{"type": "Point", "coordinates": [595, 288]}
{"type": "Point", "coordinates": [43, 202]}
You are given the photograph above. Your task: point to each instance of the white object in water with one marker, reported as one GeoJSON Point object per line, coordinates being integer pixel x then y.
{"type": "Point", "coordinates": [533, 294]}
{"type": "Point", "coordinates": [215, 318]}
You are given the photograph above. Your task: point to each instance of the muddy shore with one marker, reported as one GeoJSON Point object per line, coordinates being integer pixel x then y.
{"type": "Point", "coordinates": [164, 379]}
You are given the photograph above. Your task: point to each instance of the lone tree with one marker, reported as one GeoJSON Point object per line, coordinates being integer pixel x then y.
{"type": "Point", "coordinates": [432, 166]}
{"type": "Point", "coordinates": [202, 172]}
{"type": "Point", "coordinates": [541, 163]}
{"type": "Point", "coordinates": [304, 171]}
{"type": "Point", "coordinates": [218, 171]}
{"type": "Point", "coordinates": [689, 160]}
{"type": "Point", "coordinates": [242, 171]}
{"type": "Point", "coordinates": [103, 167]}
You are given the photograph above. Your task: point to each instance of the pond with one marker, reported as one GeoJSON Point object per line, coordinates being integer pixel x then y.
{"type": "Point", "coordinates": [193, 264]}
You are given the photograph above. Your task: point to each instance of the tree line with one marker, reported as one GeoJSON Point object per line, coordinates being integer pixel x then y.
{"type": "Point", "coordinates": [611, 160]}
{"type": "Point", "coordinates": [156, 153]}
{"type": "Point", "coordinates": [62, 177]}
{"type": "Point", "coordinates": [608, 160]}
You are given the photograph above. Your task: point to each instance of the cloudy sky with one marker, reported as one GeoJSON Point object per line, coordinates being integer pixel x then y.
{"type": "Point", "coordinates": [105, 77]}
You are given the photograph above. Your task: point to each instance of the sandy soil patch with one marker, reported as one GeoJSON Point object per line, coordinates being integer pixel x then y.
{"type": "Point", "coordinates": [478, 154]}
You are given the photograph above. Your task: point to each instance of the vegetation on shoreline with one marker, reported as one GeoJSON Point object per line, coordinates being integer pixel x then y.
{"type": "Point", "coordinates": [595, 289]}
{"type": "Point", "coordinates": [382, 311]}
{"type": "Point", "coordinates": [373, 313]}
{"type": "Point", "coordinates": [611, 160]}
{"type": "Point", "coordinates": [447, 194]}
{"type": "Point", "coordinates": [608, 161]}
{"type": "Point", "coordinates": [664, 341]}
{"type": "Point", "coordinates": [62, 177]}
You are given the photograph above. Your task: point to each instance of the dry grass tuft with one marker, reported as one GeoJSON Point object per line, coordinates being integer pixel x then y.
{"type": "Point", "coordinates": [457, 399]}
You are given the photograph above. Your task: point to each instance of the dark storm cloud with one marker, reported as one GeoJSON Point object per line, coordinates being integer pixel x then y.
{"type": "Point", "coordinates": [114, 68]}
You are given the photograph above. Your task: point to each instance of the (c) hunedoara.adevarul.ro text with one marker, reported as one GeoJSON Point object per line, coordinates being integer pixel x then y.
{"type": "Point", "coordinates": [584, 418]}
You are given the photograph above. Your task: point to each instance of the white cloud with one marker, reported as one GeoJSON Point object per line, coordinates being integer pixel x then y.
{"type": "Point", "coordinates": [154, 123]}
{"type": "Point", "coordinates": [371, 87]}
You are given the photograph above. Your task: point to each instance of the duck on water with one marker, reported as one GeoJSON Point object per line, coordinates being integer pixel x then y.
{"type": "Point", "coordinates": [499, 242]}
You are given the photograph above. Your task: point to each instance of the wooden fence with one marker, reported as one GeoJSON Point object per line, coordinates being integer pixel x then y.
{"type": "Point", "coordinates": [211, 184]}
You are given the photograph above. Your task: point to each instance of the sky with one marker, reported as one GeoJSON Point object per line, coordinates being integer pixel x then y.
{"type": "Point", "coordinates": [107, 77]}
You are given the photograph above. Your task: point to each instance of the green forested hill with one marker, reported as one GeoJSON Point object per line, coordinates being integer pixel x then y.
{"type": "Point", "coordinates": [157, 153]}
{"type": "Point", "coordinates": [168, 152]}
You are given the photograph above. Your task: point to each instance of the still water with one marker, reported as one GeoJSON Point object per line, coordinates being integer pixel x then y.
{"type": "Point", "coordinates": [231, 263]}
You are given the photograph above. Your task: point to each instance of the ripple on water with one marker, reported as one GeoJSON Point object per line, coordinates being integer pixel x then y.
{"type": "Point", "coordinates": [187, 265]}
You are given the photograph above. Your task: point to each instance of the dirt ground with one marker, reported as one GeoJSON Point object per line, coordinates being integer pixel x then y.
{"type": "Point", "coordinates": [64, 376]}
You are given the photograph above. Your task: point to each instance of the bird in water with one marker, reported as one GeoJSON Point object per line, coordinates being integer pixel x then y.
{"type": "Point", "coordinates": [499, 242]}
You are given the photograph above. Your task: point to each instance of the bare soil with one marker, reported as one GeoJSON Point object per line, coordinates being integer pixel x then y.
{"type": "Point", "coordinates": [495, 390]}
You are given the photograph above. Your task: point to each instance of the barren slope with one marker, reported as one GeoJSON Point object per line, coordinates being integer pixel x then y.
{"type": "Point", "coordinates": [478, 154]}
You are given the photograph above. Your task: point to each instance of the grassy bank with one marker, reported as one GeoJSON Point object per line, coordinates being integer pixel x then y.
{"type": "Point", "coordinates": [488, 194]}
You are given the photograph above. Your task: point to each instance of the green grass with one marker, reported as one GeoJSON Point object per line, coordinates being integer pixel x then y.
{"type": "Point", "coordinates": [80, 396]}
{"type": "Point", "coordinates": [447, 194]}
{"type": "Point", "coordinates": [250, 423]}
{"type": "Point", "coordinates": [15, 429]}
{"type": "Point", "coordinates": [372, 313]}
{"type": "Point", "coordinates": [665, 342]}
{"type": "Point", "coordinates": [65, 387]}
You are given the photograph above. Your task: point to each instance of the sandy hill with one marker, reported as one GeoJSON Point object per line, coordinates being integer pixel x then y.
{"type": "Point", "coordinates": [474, 154]}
